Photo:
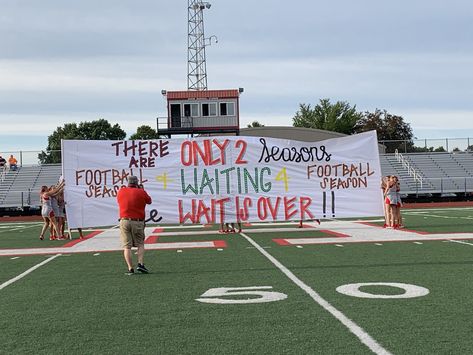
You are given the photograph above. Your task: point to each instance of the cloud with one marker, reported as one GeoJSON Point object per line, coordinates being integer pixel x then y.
{"type": "Point", "coordinates": [63, 61]}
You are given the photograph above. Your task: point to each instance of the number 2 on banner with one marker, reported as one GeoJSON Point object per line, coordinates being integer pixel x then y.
{"type": "Point", "coordinates": [213, 295]}
{"type": "Point", "coordinates": [282, 176]}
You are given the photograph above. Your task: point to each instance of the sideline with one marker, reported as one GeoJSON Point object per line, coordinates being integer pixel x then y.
{"type": "Point", "coordinates": [364, 337]}
{"type": "Point", "coordinates": [30, 270]}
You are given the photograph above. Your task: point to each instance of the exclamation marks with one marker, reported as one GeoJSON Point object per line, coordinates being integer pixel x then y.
{"type": "Point", "coordinates": [333, 204]}
{"type": "Point", "coordinates": [324, 204]}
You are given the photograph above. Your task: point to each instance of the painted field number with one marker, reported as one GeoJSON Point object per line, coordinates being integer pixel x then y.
{"type": "Point", "coordinates": [214, 295]}
{"type": "Point", "coordinates": [410, 291]}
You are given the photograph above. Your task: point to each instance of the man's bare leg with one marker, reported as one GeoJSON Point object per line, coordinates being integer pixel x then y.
{"type": "Point", "coordinates": [127, 255]}
{"type": "Point", "coordinates": [141, 254]}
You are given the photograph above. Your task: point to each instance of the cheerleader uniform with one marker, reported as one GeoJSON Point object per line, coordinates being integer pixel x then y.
{"type": "Point", "coordinates": [46, 206]}
{"type": "Point", "coordinates": [392, 196]}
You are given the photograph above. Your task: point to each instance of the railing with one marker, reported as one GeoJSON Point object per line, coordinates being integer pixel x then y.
{"type": "Point", "coordinates": [196, 122]}
{"type": "Point", "coordinates": [3, 172]}
{"type": "Point", "coordinates": [450, 185]}
{"type": "Point", "coordinates": [429, 145]}
{"type": "Point", "coordinates": [20, 199]}
{"type": "Point", "coordinates": [175, 122]}
{"type": "Point", "coordinates": [410, 169]}
{"type": "Point", "coordinates": [31, 157]}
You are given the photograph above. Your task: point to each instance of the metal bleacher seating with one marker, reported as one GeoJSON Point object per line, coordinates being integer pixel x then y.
{"type": "Point", "coordinates": [443, 173]}
{"type": "Point", "coordinates": [20, 188]}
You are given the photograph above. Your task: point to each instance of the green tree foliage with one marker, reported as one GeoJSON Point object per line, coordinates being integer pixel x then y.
{"type": "Point", "coordinates": [338, 117]}
{"type": "Point", "coordinates": [95, 130]}
{"type": "Point", "coordinates": [390, 128]}
{"type": "Point", "coordinates": [255, 124]}
{"type": "Point", "coordinates": [144, 132]}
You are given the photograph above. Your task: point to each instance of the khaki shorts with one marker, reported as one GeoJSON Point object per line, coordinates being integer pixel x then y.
{"type": "Point", "coordinates": [132, 233]}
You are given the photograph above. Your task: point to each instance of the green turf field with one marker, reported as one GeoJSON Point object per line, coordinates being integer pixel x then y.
{"type": "Point", "coordinates": [82, 303]}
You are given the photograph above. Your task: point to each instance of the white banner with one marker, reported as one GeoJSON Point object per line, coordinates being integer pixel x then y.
{"type": "Point", "coordinates": [225, 179]}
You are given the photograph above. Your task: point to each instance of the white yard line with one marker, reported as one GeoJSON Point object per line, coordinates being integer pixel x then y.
{"type": "Point", "coordinates": [17, 228]}
{"type": "Point", "coordinates": [363, 336]}
{"type": "Point", "coordinates": [460, 242]}
{"type": "Point", "coordinates": [19, 223]}
{"type": "Point", "coordinates": [437, 209]}
{"type": "Point", "coordinates": [30, 270]}
{"type": "Point", "coordinates": [440, 216]}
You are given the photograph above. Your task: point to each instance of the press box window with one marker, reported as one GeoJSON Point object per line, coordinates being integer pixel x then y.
{"type": "Point", "coordinates": [227, 109]}
{"type": "Point", "coordinates": [191, 110]}
{"type": "Point", "coordinates": [209, 109]}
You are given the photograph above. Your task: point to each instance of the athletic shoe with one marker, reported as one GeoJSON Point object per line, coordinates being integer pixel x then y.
{"type": "Point", "coordinates": [41, 237]}
{"type": "Point", "coordinates": [130, 272]}
{"type": "Point", "coordinates": [142, 268]}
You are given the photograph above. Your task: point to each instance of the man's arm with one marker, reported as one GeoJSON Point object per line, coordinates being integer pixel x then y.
{"type": "Point", "coordinates": [147, 198]}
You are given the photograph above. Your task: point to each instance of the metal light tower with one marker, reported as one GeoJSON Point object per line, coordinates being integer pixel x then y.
{"type": "Point", "coordinates": [196, 43]}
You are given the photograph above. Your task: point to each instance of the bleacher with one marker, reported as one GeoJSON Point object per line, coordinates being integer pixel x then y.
{"type": "Point", "coordinates": [443, 173]}
{"type": "Point", "coordinates": [20, 188]}
{"type": "Point", "coordinates": [391, 166]}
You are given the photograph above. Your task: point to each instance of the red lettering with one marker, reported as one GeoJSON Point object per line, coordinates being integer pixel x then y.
{"type": "Point", "coordinates": [203, 210]}
{"type": "Point", "coordinates": [243, 213]}
{"type": "Point", "coordinates": [243, 145]}
{"type": "Point", "coordinates": [304, 208]}
{"type": "Point", "coordinates": [186, 153]}
{"type": "Point", "coordinates": [289, 205]}
{"type": "Point", "coordinates": [189, 215]}
{"type": "Point", "coordinates": [261, 208]}
{"type": "Point", "coordinates": [222, 149]}
{"type": "Point", "coordinates": [274, 209]}
{"type": "Point", "coordinates": [221, 204]}
{"type": "Point", "coordinates": [204, 154]}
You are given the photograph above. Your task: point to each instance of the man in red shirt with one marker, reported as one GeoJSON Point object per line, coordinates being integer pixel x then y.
{"type": "Point", "coordinates": [132, 201]}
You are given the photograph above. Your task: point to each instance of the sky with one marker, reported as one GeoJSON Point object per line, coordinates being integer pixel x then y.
{"type": "Point", "coordinates": [72, 61]}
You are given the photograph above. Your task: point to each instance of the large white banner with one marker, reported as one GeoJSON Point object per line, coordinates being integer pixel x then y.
{"type": "Point", "coordinates": [225, 179]}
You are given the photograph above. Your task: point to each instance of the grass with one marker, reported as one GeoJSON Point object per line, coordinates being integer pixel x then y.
{"type": "Point", "coordinates": [84, 304]}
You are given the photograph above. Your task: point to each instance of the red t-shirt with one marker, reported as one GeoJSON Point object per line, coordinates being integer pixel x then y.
{"type": "Point", "coordinates": [132, 202]}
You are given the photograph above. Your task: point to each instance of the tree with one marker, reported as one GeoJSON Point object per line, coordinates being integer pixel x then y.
{"type": "Point", "coordinates": [95, 130]}
{"type": "Point", "coordinates": [389, 127]}
{"type": "Point", "coordinates": [144, 132]}
{"type": "Point", "coordinates": [255, 124]}
{"type": "Point", "coordinates": [339, 117]}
